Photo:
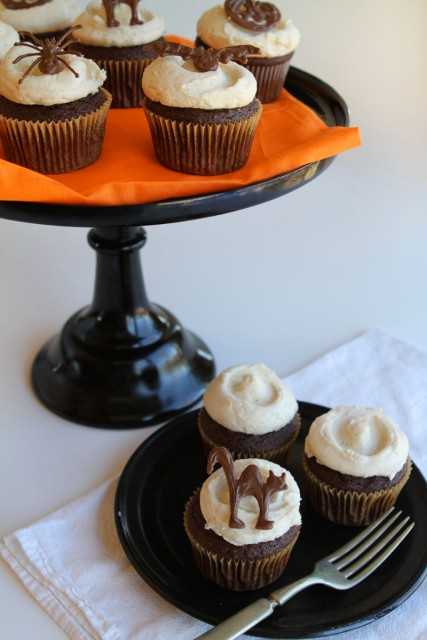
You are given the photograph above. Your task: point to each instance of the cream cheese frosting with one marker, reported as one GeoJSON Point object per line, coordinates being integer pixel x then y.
{"type": "Point", "coordinates": [283, 511]}
{"type": "Point", "coordinates": [53, 16]}
{"type": "Point", "coordinates": [8, 37]}
{"type": "Point", "coordinates": [48, 90]}
{"type": "Point", "coordinates": [97, 33]}
{"type": "Point", "coordinates": [250, 399]}
{"type": "Point", "coordinates": [175, 82]}
{"type": "Point", "coordinates": [359, 442]}
{"type": "Point", "coordinates": [218, 31]}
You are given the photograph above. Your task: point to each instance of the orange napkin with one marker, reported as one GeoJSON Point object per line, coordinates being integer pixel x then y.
{"type": "Point", "coordinates": [290, 135]}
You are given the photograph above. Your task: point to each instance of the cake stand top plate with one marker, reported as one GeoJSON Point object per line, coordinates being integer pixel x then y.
{"type": "Point", "coordinates": [315, 93]}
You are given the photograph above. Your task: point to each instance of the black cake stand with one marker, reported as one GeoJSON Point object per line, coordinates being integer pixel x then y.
{"type": "Point", "coordinates": [124, 362]}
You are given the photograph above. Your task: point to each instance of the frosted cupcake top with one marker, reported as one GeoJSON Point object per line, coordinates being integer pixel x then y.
{"type": "Point", "coordinates": [175, 82]}
{"type": "Point", "coordinates": [216, 502]}
{"type": "Point", "coordinates": [250, 399]}
{"type": "Point", "coordinates": [97, 32]}
{"type": "Point", "coordinates": [48, 89]}
{"type": "Point", "coordinates": [358, 442]}
{"type": "Point", "coordinates": [41, 16]}
{"type": "Point", "coordinates": [8, 37]}
{"type": "Point", "coordinates": [217, 30]}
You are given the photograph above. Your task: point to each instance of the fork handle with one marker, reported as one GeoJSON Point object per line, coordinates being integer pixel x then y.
{"type": "Point", "coordinates": [256, 612]}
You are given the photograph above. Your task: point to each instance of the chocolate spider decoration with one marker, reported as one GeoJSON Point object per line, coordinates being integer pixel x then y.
{"type": "Point", "coordinates": [16, 5]}
{"type": "Point", "coordinates": [48, 53]}
{"type": "Point", "coordinates": [250, 483]}
{"type": "Point", "coordinates": [207, 59]}
{"type": "Point", "coordinates": [252, 15]}
{"type": "Point", "coordinates": [110, 10]}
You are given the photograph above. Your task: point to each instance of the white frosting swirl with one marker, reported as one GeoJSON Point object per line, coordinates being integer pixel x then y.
{"type": "Point", "coordinates": [283, 510]}
{"type": "Point", "coordinates": [250, 399]}
{"type": "Point", "coordinates": [47, 90]}
{"type": "Point", "coordinates": [54, 16]}
{"type": "Point", "coordinates": [175, 82]}
{"type": "Point", "coordinates": [358, 442]}
{"type": "Point", "coordinates": [8, 37]}
{"type": "Point", "coordinates": [218, 31]}
{"type": "Point", "coordinates": [95, 31]}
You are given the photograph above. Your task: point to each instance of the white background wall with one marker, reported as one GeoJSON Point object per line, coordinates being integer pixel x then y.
{"type": "Point", "coordinates": [282, 282]}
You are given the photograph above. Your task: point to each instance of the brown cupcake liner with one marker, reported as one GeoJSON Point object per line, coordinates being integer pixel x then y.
{"type": "Point", "coordinates": [277, 455]}
{"type": "Point", "coordinates": [270, 74]}
{"type": "Point", "coordinates": [124, 81]}
{"type": "Point", "coordinates": [351, 508]}
{"type": "Point", "coordinates": [242, 574]}
{"type": "Point", "coordinates": [202, 148]}
{"type": "Point", "coordinates": [55, 147]}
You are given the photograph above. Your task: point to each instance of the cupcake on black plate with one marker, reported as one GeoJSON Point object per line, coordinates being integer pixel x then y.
{"type": "Point", "coordinates": [244, 522]}
{"type": "Point", "coordinates": [249, 410]}
{"type": "Point", "coordinates": [121, 37]}
{"type": "Point", "coordinates": [260, 24]}
{"type": "Point", "coordinates": [53, 108]}
{"type": "Point", "coordinates": [201, 108]}
{"type": "Point", "coordinates": [356, 463]}
{"type": "Point", "coordinates": [42, 18]}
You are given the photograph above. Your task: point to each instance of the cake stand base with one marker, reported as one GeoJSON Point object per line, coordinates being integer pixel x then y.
{"type": "Point", "coordinates": [122, 362]}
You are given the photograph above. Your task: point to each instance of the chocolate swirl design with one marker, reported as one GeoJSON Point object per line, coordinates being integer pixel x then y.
{"type": "Point", "coordinates": [252, 15]}
{"type": "Point", "coordinates": [207, 59]}
{"type": "Point", "coordinates": [24, 4]}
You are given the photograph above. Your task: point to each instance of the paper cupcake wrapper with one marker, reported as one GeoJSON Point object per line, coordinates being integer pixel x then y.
{"type": "Point", "coordinates": [124, 81]}
{"type": "Point", "coordinates": [239, 575]}
{"type": "Point", "coordinates": [55, 147]}
{"type": "Point", "coordinates": [277, 455]}
{"type": "Point", "coordinates": [270, 74]}
{"type": "Point", "coordinates": [202, 148]}
{"type": "Point", "coordinates": [351, 508]}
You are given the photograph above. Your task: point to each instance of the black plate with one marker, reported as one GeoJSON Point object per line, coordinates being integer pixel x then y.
{"type": "Point", "coordinates": [315, 93]}
{"type": "Point", "coordinates": [164, 472]}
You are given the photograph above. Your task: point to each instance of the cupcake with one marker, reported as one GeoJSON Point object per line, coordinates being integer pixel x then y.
{"type": "Point", "coordinates": [8, 38]}
{"type": "Point", "coordinates": [244, 522]}
{"type": "Point", "coordinates": [121, 37]}
{"type": "Point", "coordinates": [356, 462]}
{"type": "Point", "coordinates": [201, 109]}
{"type": "Point", "coordinates": [43, 18]}
{"type": "Point", "coordinates": [53, 108]}
{"type": "Point", "coordinates": [255, 23]}
{"type": "Point", "coordinates": [249, 410]}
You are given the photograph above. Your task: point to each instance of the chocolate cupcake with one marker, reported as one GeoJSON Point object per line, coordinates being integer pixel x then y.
{"type": "Point", "coordinates": [244, 522]}
{"type": "Point", "coordinates": [121, 37]}
{"type": "Point", "coordinates": [43, 18]}
{"type": "Point", "coordinates": [260, 24]}
{"type": "Point", "coordinates": [53, 108]}
{"type": "Point", "coordinates": [202, 110]}
{"type": "Point", "coordinates": [249, 410]}
{"type": "Point", "coordinates": [356, 463]}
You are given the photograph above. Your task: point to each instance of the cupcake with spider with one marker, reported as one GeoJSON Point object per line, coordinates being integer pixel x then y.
{"type": "Point", "coordinates": [53, 107]}
{"type": "Point", "coordinates": [121, 37]}
{"type": "Point", "coordinates": [43, 18]}
{"type": "Point", "coordinates": [260, 24]}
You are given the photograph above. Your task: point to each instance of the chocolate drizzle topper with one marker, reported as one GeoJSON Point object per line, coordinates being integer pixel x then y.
{"type": "Point", "coordinates": [47, 53]}
{"type": "Point", "coordinates": [16, 5]}
{"type": "Point", "coordinates": [252, 15]}
{"type": "Point", "coordinates": [110, 10]}
{"type": "Point", "coordinates": [250, 483]}
{"type": "Point", "coordinates": [207, 59]}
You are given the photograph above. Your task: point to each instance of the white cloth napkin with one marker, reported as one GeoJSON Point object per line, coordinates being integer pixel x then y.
{"type": "Point", "coordinates": [72, 562]}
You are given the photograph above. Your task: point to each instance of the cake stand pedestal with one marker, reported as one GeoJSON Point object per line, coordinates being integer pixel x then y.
{"type": "Point", "coordinates": [124, 362]}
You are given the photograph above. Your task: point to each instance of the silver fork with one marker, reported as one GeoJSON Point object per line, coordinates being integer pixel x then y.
{"type": "Point", "coordinates": [343, 569]}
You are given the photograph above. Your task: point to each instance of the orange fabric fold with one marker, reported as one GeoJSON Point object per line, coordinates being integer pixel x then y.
{"type": "Point", "coordinates": [289, 136]}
